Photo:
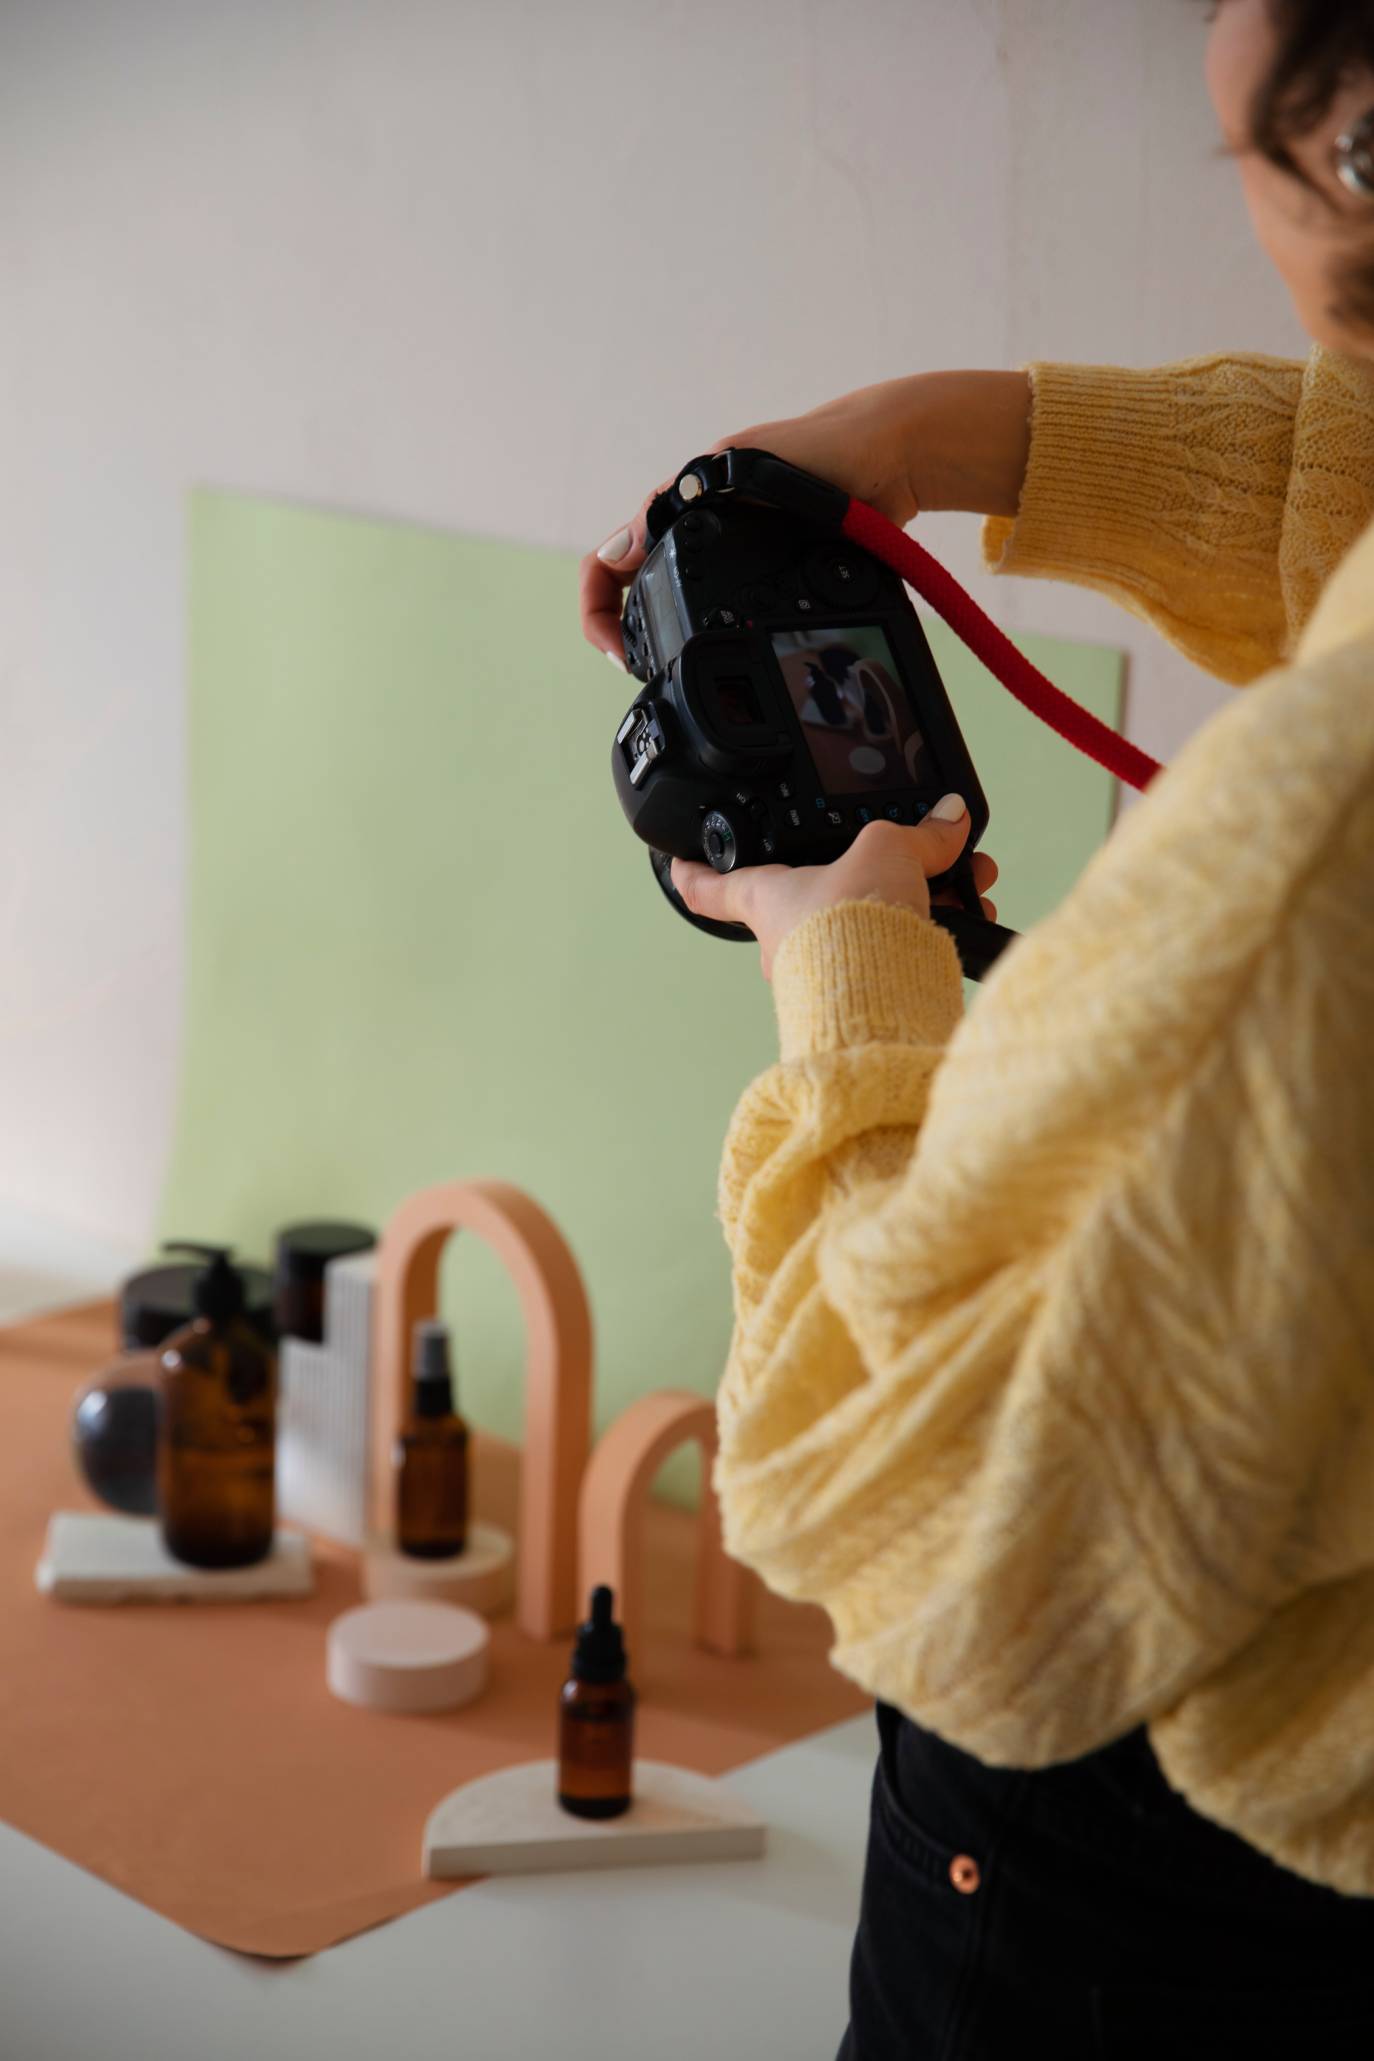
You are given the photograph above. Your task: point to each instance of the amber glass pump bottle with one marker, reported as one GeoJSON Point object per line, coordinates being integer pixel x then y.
{"type": "Point", "coordinates": [217, 1426]}
{"type": "Point", "coordinates": [596, 1717]}
{"type": "Point", "coordinates": [432, 1457]}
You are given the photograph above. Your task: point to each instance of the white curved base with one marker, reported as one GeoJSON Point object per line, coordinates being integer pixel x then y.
{"type": "Point", "coordinates": [511, 1823]}
{"type": "Point", "coordinates": [481, 1577]}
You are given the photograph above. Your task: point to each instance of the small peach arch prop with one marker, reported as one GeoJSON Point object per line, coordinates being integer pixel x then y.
{"type": "Point", "coordinates": [615, 1490]}
{"type": "Point", "coordinates": [558, 1372]}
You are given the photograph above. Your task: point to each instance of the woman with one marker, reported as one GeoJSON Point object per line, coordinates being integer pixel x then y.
{"type": "Point", "coordinates": [1053, 1370]}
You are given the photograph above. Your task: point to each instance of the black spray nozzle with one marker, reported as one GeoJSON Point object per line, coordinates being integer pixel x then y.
{"type": "Point", "coordinates": [432, 1369]}
{"type": "Point", "coordinates": [599, 1655]}
{"type": "Point", "coordinates": [218, 1291]}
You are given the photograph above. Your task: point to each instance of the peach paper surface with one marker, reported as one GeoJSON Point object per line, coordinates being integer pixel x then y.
{"type": "Point", "coordinates": [192, 1756]}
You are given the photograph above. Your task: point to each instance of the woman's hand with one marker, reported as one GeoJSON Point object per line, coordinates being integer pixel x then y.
{"type": "Point", "coordinates": [933, 440]}
{"type": "Point", "coordinates": [861, 443]}
{"type": "Point", "coordinates": [887, 862]}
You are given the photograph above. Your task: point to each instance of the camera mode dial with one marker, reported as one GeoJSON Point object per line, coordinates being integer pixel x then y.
{"type": "Point", "coordinates": [740, 834]}
{"type": "Point", "coordinates": [720, 841]}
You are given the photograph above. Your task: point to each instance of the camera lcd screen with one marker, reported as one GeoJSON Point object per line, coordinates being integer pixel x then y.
{"type": "Point", "coordinates": [855, 715]}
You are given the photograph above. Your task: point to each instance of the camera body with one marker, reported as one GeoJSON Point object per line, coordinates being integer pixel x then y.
{"type": "Point", "coordinates": [789, 695]}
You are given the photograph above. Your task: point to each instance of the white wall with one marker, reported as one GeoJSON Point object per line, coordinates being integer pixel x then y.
{"type": "Point", "coordinates": [495, 267]}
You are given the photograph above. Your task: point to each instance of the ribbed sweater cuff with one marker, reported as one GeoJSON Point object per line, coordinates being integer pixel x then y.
{"type": "Point", "coordinates": [865, 973]}
{"type": "Point", "coordinates": [1103, 462]}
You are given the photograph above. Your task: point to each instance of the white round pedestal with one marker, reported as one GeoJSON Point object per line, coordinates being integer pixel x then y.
{"type": "Point", "coordinates": [481, 1577]}
{"type": "Point", "coordinates": [408, 1656]}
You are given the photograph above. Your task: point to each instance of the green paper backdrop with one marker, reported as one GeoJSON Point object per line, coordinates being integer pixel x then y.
{"type": "Point", "coordinates": [424, 945]}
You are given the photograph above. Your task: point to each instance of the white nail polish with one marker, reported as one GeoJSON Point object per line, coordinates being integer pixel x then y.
{"type": "Point", "coordinates": [614, 547]}
{"type": "Point", "coordinates": [949, 809]}
{"type": "Point", "coordinates": [616, 659]}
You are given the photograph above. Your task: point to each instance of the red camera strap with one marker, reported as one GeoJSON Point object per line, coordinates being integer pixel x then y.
{"type": "Point", "coordinates": [884, 540]}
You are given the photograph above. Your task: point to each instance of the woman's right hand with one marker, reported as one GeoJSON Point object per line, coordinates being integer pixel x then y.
{"type": "Point", "coordinates": [861, 443]}
{"type": "Point", "coordinates": [934, 440]}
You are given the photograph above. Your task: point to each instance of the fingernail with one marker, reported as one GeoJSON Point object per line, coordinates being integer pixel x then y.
{"type": "Point", "coordinates": [950, 808]}
{"type": "Point", "coordinates": [614, 547]}
{"type": "Point", "coordinates": [616, 659]}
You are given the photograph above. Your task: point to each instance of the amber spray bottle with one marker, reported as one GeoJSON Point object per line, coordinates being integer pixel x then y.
{"type": "Point", "coordinates": [217, 1426]}
{"type": "Point", "coordinates": [596, 1720]}
{"type": "Point", "coordinates": [432, 1457]}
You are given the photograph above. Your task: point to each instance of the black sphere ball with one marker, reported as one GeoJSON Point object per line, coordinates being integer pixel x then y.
{"type": "Point", "coordinates": [114, 1434]}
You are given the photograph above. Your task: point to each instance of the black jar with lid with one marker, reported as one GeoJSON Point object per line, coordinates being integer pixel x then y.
{"type": "Point", "coordinates": [160, 1300]}
{"type": "Point", "coordinates": [303, 1253]}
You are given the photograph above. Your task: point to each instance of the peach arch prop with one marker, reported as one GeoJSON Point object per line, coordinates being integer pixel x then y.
{"type": "Point", "coordinates": [615, 1490]}
{"type": "Point", "coordinates": [558, 1371]}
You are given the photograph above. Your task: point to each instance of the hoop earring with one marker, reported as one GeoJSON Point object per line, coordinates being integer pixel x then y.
{"type": "Point", "coordinates": [1354, 153]}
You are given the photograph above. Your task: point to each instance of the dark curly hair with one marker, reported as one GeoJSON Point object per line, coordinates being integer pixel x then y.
{"type": "Point", "coordinates": [1321, 43]}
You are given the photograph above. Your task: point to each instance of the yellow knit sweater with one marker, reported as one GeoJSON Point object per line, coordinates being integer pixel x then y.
{"type": "Point", "coordinates": [1052, 1376]}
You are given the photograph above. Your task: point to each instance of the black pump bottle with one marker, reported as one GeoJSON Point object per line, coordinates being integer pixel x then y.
{"type": "Point", "coordinates": [217, 1426]}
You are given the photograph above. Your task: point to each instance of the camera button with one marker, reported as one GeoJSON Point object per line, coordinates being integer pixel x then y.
{"type": "Point", "coordinates": [793, 819]}
{"type": "Point", "coordinates": [699, 528]}
{"type": "Point", "coordinates": [845, 578]}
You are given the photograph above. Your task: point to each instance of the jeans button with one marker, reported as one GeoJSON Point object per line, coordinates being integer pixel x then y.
{"type": "Point", "coordinates": [964, 1874]}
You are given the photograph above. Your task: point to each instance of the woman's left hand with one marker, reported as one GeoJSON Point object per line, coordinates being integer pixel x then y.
{"type": "Point", "coordinates": [887, 862]}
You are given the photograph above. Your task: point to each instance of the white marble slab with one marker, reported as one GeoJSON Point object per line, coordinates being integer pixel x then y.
{"type": "Point", "coordinates": [98, 1557]}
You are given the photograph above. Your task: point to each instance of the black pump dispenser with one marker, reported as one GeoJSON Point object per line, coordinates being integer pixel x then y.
{"type": "Point", "coordinates": [599, 1655]}
{"type": "Point", "coordinates": [217, 1424]}
{"type": "Point", "coordinates": [219, 1292]}
{"type": "Point", "coordinates": [432, 1370]}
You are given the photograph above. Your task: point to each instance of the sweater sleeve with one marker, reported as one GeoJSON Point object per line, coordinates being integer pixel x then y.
{"type": "Point", "coordinates": [1050, 1367]}
{"type": "Point", "coordinates": [1166, 490]}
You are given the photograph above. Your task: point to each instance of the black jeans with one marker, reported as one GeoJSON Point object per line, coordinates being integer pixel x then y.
{"type": "Point", "coordinates": [1086, 1912]}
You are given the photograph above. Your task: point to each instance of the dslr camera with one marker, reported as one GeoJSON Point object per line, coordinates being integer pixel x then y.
{"type": "Point", "coordinates": [788, 696]}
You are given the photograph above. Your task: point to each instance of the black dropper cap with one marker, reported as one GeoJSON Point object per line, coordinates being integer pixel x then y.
{"type": "Point", "coordinates": [432, 1371]}
{"type": "Point", "coordinates": [599, 1655]}
{"type": "Point", "coordinates": [219, 1291]}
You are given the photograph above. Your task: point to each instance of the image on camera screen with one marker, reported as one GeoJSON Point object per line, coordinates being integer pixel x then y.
{"type": "Point", "coordinates": [855, 716]}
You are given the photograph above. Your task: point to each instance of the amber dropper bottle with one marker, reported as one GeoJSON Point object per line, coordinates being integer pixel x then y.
{"type": "Point", "coordinates": [596, 1720]}
{"type": "Point", "coordinates": [432, 1457]}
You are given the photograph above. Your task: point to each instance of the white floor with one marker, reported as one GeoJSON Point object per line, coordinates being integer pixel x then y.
{"type": "Point", "coordinates": [743, 1959]}
{"type": "Point", "coordinates": [747, 1960]}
